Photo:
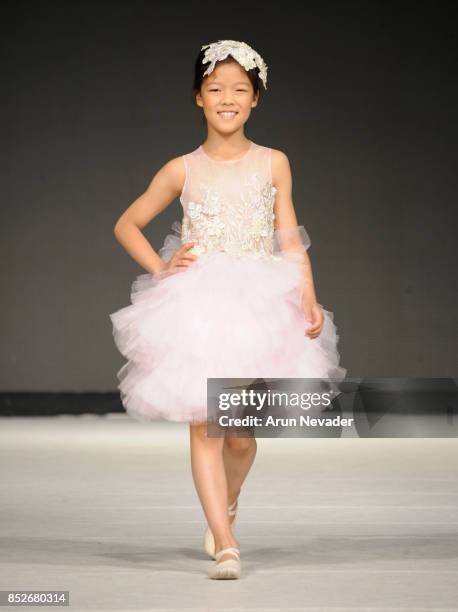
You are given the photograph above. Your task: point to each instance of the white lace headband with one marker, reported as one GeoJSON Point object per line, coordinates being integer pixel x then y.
{"type": "Point", "coordinates": [240, 51]}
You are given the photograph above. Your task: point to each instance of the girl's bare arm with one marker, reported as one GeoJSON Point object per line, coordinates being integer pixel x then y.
{"type": "Point", "coordinates": [285, 217]}
{"type": "Point", "coordinates": [165, 186]}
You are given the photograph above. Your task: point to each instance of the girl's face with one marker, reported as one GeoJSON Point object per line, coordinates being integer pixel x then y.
{"type": "Point", "coordinates": [227, 97]}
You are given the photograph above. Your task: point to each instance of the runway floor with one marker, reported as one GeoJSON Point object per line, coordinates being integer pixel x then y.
{"type": "Point", "coordinates": [105, 508]}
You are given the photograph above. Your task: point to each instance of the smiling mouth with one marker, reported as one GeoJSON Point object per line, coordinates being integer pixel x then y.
{"type": "Point", "coordinates": [227, 114]}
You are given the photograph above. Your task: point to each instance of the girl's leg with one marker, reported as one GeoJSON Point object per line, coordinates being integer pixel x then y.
{"type": "Point", "coordinates": [238, 454]}
{"type": "Point", "coordinates": [210, 480]}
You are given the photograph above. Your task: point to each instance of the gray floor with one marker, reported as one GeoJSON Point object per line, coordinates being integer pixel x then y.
{"type": "Point", "coordinates": [105, 507]}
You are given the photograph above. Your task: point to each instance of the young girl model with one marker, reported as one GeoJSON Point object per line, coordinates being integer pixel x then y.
{"type": "Point", "coordinates": [231, 293]}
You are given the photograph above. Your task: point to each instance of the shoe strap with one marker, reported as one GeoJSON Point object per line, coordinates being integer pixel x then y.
{"type": "Point", "coordinates": [231, 550]}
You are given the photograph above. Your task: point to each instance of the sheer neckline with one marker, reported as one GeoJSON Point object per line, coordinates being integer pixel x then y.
{"type": "Point", "coordinates": [227, 161]}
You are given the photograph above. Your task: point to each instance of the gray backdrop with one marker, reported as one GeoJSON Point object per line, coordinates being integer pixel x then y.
{"type": "Point", "coordinates": [97, 97]}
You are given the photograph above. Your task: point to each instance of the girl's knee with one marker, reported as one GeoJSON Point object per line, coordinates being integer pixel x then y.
{"type": "Point", "coordinates": [199, 433]}
{"type": "Point", "coordinates": [240, 445]}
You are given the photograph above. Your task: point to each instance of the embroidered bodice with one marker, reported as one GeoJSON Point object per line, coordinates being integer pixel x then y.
{"type": "Point", "coordinates": [229, 205]}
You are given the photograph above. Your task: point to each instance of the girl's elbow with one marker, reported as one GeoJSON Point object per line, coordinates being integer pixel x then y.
{"type": "Point", "coordinates": [118, 226]}
{"type": "Point", "coordinates": [123, 224]}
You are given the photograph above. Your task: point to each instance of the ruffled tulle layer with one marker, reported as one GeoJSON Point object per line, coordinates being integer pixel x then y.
{"type": "Point", "coordinates": [223, 316]}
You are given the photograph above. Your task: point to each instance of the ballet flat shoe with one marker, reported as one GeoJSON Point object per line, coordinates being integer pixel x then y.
{"type": "Point", "coordinates": [209, 540]}
{"type": "Point", "coordinates": [226, 570]}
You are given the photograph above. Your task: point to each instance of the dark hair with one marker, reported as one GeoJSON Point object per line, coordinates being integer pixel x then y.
{"type": "Point", "coordinates": [199, 69]}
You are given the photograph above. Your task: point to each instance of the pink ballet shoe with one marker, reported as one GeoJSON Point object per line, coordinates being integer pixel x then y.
{"type": "Point", "coordinates": [209, 540]}
{"type": "Point", "coordinates": [230, 568]}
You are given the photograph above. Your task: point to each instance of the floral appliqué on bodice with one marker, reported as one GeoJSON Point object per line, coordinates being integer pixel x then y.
{"type": "Point", "coordinates": [242, 228]}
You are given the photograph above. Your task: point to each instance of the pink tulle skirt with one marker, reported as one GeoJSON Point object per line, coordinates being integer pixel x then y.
{"type": "Point", "coordinates": [223, 316]}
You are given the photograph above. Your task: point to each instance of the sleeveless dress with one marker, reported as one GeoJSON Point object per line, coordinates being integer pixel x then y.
{"type": "Point", "coordinates": [235, 312]}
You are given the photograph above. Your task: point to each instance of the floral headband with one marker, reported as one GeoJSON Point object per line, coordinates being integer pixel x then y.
{"type": "Point", "coordinates": [240, 51]}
